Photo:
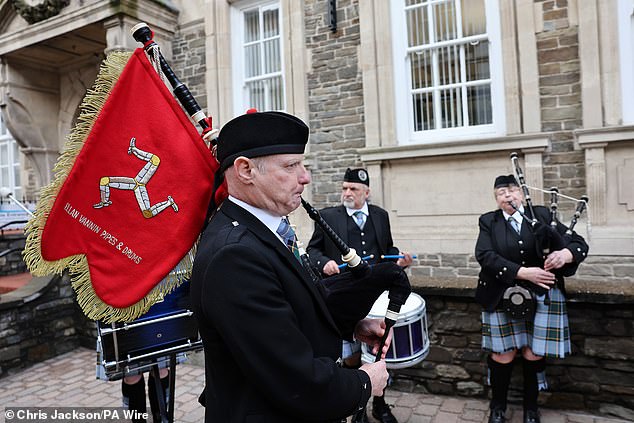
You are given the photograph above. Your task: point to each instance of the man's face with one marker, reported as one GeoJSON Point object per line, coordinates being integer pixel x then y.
{"type": "Point", "coordinates": [280, 181]}
{"type": "Point", "coordinates": [354, 194]}
{"type": "Point", "coordinates": [506, 195]}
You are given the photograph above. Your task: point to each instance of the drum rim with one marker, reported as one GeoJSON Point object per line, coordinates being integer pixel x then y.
{"type": "Point", "coordinates": [421, 309]}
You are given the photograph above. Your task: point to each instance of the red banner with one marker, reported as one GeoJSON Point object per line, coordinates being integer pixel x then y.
{"type": "Point", "coordinates": [136, 197]}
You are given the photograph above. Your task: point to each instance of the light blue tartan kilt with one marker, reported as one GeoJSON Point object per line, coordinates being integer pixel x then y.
{"type": "Point", "coordinates": [548, 335]}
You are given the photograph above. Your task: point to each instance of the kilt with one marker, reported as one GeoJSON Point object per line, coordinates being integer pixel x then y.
{"type": "Point", "coordinates": [548, 335]}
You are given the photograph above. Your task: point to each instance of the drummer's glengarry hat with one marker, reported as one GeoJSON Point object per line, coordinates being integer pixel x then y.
{"type": "Point", "coordinates": [357, 175]}
{"type": "Point", "coordinates": [504, 181]}
{"type": "Point", "coordinates": [257, 134]}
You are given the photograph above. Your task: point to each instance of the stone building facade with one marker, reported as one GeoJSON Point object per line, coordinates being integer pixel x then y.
{"type": "Point", "coordinates": [561, 77]}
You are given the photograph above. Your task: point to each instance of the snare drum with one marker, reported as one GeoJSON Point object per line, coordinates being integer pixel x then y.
{"type": "Point", "coordinates": [410, 340]}
{"type": "Point", "coordinates": [168, 327]}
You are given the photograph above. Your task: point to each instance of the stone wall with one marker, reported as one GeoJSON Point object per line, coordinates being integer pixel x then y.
{"type": "Point", "coordinates": [602, 269]}
{"type": "Point", "coordinates": [598, 376]}
{"type": "Point", "coordinates": [188, 59]}
{"type": "Point", "coordinates": [37, 321]}
{"type": "Point", "coordinates": [335, 97]}
{"type": "Point", "coordinates": [560, 99]}
{"type": "Point", "coordinates": [12, 263]}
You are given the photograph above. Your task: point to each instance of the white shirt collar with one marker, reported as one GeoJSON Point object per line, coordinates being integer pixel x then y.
{"type": "Point", "coordinates": [364, 209]}
{"type": "Point", "coordinates": [269, 220]}
{"type": "Point", "coordinates": [517, 215]}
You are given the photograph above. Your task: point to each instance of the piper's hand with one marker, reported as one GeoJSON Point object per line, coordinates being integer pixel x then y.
{"type": "Point", "coordinates": [331, 268]}
{"type": "Point", "coordinates": [557, 259]}
{"type": "Point", "coordinates": [378, 376]}
{"type": "Point", "coordinates": [407, 260]}
{"type": "Point", "coordinates": [370, 332]}
{"type": "Point", "coordinates": [537, 275]}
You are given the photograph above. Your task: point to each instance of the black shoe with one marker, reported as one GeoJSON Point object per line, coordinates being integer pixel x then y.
{"type": "Point", "coordinates": [497, 416]}
{"type": "Point", "coordinates": [531, 416]}
{"type": "Point", "coordinates": [381, 411]}
{"type": "Point", "coordinates": [360, 417]}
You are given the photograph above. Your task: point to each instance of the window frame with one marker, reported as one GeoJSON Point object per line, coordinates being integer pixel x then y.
{"type": "Point", "coordinates": [626, 62]}
{"type": "Point", "coordinates": [239, 79]}
{"type": "Point", "coordinates": [404, 121]}
{"type": "Point", "coordinates": [13, 160]}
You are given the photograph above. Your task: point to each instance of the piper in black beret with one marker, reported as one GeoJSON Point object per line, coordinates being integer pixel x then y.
{"type": "Point", "coordinates": [357, 175]}
{"type": "Point", "coordinates": [505, 181]}
{"type": "Point", "coordinates": [250, 289]}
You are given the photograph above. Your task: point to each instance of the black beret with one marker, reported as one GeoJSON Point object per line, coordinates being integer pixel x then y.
{"type": "Point", "coordinates": [257, 134]}
{"type": "Point", "coordinates": [504, 181]}
{"type": "Point", "coordinates": [357, 175]}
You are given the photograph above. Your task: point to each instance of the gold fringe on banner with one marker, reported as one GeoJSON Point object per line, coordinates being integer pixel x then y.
{"type": "Point", "coordinates": [77, 265]}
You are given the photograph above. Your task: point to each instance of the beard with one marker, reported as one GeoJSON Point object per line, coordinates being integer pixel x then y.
{"type": "Point", "coordinates": [348, 203]}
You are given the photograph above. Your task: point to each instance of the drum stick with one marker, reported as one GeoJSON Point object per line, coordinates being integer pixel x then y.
{"type": "Point", "coordinates": [396, 256]}
{"type": "Point", "coordinates": [371, 256]}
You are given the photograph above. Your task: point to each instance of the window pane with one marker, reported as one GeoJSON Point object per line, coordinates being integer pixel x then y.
{"type": "Point", "coordinates": [479, 100]}
{"type": "Point", "coordinates": [412, 2]}
{"type": "Point", "coordinates": [272, 60]}
{"type": "Point", "coordinates": [445, 20]}
{"type": "Point", "coordinates": [473, 17]}
{"type": "Point", "coordinates": [271, 27]}
{"type": "Point", "coordinates": [4, 178]}
{"type": "Point", "coordinates": [421, 69]}
{"type": "Point", "coordinates": [4, 154]}
{"type": "Point", "coordinates": [16, 176]}
{"type": "Point", "coordinates": [449, 64]}
{"type": "Point", "coordinates": [252, 60]}
{"type": "Point", "coordinates": [251, 26]}
{"type": "Point", "coordinates": [423, 104]}
{"type": "Point", "coordinates": [16, 153]}
{"type": "Point", "coordinates": [451, 106]}
{"type": "Point", "coordinates": [276, 93]}
{"type": "Point", "coordinates": [477, 58]}
{"type": "Point", "coordinates": [255, 91]}
{"type": "Point", "coordinates": [418, 27]}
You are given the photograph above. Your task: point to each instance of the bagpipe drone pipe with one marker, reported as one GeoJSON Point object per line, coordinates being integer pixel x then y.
{"type": "Point", "coordinates": [350, 295]}
{"type": "Point", "coordinates": [548, 235]}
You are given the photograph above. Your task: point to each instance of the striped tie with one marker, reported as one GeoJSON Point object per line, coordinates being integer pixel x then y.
{"type": "Point", "coordinates": [359, 217]}
{"type": "Point", "coordinates": [288, 235]}
{"type": "Point", "coordinates": [515, 224]}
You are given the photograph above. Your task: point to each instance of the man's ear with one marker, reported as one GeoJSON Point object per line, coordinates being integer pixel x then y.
{"type": "Point", "coordinates": [244, 167]}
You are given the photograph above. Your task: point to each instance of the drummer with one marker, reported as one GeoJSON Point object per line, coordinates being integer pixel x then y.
{"type": "Point", "coordinates": [366, 228]}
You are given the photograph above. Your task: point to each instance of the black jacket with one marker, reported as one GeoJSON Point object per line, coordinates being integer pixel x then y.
{"type": "Point", "coordinates": [501, 252]}
{"type": "Point", "coordinates": [321, 249]}
{"type": "Point", "coordinates": [270, 343]}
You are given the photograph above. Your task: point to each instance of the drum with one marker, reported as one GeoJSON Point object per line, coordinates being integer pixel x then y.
{"type": "Point", "coordinates": [410, 340]}
{"type": "Point", "coordinates": [168, 327]}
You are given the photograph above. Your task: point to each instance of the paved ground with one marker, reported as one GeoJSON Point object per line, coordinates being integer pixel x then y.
{"type": "Point", "coordinates": [69, 381]}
